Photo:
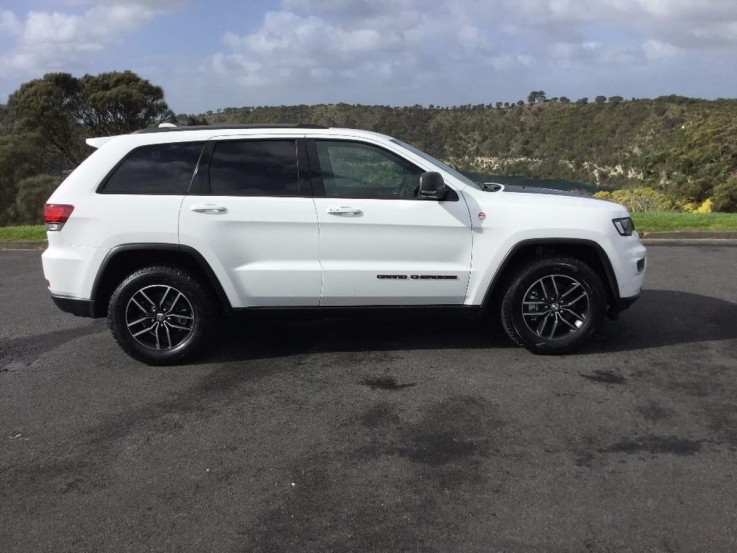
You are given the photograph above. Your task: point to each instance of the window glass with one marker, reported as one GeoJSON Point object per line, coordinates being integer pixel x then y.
{"type": "Point", "coordinates": [457, 174]}
{"type": "Point", "coordinates": [355, 170]}
{"type": "Point", "coordinates": [254, 168]}
{"type": "Point", "coordinates": [155, 169]}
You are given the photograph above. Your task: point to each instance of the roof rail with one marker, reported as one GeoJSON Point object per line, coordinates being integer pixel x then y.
{"type": "Point", "coordinates": [227, 127]}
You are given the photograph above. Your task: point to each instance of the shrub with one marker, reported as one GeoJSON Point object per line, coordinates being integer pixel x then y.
{"type": "Point", "coordinates": [706, 206]}
{"type": "Point", "coordinates": [642, 199]}
{"type": "Point", "coordinates": [32, 194]}
{"type": "Point", "coordinates": [725, 195]}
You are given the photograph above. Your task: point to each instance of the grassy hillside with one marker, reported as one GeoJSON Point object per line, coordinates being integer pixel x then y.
{"type": "Point", "coordinates": [684, 147]}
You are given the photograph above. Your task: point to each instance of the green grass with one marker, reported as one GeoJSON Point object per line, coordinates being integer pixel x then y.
{"type": "Point", "coordinates": [28, 232]}
{"type": "Point", "coordinates": [674, 220]}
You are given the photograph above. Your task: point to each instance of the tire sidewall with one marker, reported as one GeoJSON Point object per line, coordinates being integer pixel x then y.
{"type": "Point", "coordinates": [564, 267]}
{"type": "Point", "coordinates": [159, 276]}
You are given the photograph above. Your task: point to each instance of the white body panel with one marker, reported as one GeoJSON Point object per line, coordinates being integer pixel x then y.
{"type": "Point", "coordinates": [512, 218]}
{"type": "Point", "coordinates": [100, 222]}
{"type": "Point", "coordinates": [263, 250]}
{"type": "Point", "coordinates": [393, 252]}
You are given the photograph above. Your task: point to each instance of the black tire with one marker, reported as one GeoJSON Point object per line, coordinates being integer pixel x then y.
{"type": "Point", "coordinates": [553, 305]}
{"type": "Point", "coordinates": [161, 315]}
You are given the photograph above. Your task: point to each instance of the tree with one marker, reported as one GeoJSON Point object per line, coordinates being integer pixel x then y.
{"type": "Point", "coordinates": [564, 100]}
{"type": "Point", "coordinates": [63, 109]}
{"type": "Point", "coordinates": [120, 103]}
{"type": "Point", "coordinates": [725, 195]}
{"type": "Point", "coordinates": [583, 101]}
{"type": "Point", "coordinates": [32, 194]}
{"type": "Point", "coordinates": [18, 160]}
{"type": "Point", "coordinates": [536, 97]}
{"type": "Point", "coordinates": [5, 121]}
{"type": "Point", "coordinates": [43, 126]}
{"type": "Point", "coordinates": [189, 120]}
{"type": "Point", "coordinates": [615, 99]}
{"type": "Point", "coordinates": [49, 106]}
{"type": "Point", "coordinates": [600, 99]}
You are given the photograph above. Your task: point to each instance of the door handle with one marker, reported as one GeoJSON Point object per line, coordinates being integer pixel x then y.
{"type": "Point", "coordinates": [210, 209]}
{"type": "Point", "coordinates": [345, 211]}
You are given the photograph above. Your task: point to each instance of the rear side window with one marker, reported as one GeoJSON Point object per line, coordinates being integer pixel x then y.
{"type": "Point", "coordinates": [254, 168]}
{"type": "Point", "coordinates": [155, 169]}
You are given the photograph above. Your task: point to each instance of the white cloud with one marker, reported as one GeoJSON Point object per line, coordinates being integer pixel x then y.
{"type": "Point", "coordinates": [335, 46]}
{"type": "Point", "coordinates": [9, 23]}
{"type": "Point", "coordinates": [47, 41]}
{"type": "Point", "coordinates": [391, 51]}
{"type": "Point", "coordinates": [656, 50]}
{"type": "Point", "coordinates": [397, 51]}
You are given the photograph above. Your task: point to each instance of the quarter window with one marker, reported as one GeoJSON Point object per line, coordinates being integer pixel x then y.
{"type": "Point", "coordinates": [155, 169]}
{"type": "Point", "coordinates": [356, 170]}
{"type": "Point", "coordinates": [254, 168]}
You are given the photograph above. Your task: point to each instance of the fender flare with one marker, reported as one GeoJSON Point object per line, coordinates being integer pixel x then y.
{"type": "Point", "coordinates": [196, 257]}
{"type": "Point", "coordinates": [610, 279]}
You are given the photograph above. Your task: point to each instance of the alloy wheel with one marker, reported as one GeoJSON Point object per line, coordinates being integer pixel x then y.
{"type": "Point", "coordinates": [159, 317]}
{"type": "Point", "coordinates": [555, 306]}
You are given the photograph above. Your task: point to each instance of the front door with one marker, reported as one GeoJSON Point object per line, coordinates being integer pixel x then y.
{"type": "Point", "coordinates": [380, 244]}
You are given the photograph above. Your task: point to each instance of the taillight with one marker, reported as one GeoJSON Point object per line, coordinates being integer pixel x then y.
{"type": "Point", "coordinates": [55, 215]}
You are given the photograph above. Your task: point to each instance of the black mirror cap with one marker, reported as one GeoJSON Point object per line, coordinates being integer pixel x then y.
{"type": "Point", "coordinates": [432, 186]}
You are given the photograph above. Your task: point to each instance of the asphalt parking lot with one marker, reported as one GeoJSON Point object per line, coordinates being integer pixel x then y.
{"type": "Point", "coordinates": [377, 435]}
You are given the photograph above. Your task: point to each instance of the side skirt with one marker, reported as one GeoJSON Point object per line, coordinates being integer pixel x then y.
{"type": "Point", "coordinates": [308, 313]}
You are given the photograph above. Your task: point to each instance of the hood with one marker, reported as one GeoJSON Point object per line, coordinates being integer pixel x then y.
{"type": "Point", "coordinates": [521, 188]}
{"type": "Point", "coordinates": [545, 199]}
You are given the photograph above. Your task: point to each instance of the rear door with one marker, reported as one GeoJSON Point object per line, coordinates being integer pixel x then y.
{"type": "Point", "coordinates": [380, 244]}
{"type": "Point", "coordinates": [250, 213]}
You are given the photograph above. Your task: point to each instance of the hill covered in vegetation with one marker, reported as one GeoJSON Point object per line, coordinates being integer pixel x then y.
{"type": "Point", "coordinates": [683, 147]}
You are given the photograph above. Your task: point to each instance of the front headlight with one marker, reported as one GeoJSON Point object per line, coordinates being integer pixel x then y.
{"type": "Point", "coordinates": [624, 226]}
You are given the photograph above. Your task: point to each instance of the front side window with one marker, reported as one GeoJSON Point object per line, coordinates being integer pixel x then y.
{"type": "Point", "coordinates": [357, 170]}
{"type": "Point", "coordinates": [155, 169]}
{"type": "Point", "coordinates": [254, 168]}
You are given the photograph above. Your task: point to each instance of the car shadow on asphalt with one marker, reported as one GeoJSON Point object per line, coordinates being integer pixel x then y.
{"type": "Point", "coordinates": [667, 318]}
{"type": "Point", "coordinates": [19, 352]}
{"type": "Point", "coordinates": [659, 318]}
{"type": "Point", "coordinates": [265, 338]}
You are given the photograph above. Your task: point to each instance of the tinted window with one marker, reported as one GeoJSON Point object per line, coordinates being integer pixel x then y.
{"type": "Point", "coordinates": [155, 169]}
{"type": "Point", "coordinates": [254, 168]}
{"type": "Point", "coordinates": [356, 170]}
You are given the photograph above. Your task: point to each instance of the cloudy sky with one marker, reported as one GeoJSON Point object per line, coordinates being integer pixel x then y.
{"type": "Point", "coordinates": [210, 54]}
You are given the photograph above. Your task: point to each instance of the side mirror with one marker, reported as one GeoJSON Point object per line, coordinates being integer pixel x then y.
{"type": "Point", "coordinates": [432, 186]}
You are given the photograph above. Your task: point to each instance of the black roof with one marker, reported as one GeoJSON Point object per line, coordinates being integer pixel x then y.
{"type": "Point", "coordinates": [226, 127]}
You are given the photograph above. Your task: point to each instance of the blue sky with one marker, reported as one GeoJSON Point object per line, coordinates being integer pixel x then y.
{"type": "Point", "coordinates": [216, 54]}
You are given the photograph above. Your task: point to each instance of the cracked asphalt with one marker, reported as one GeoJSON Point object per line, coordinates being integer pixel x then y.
{"type": "Point", "coordinates": [348, 434]}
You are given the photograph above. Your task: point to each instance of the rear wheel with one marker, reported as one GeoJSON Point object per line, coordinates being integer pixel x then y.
{"type": "Point", "coordinates": [553, 305]}
{"type": "Point", "coordinates": [161, 315]}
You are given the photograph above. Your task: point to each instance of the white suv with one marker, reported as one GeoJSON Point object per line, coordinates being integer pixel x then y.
{"type": "Point", "coordinates": [165, 229]}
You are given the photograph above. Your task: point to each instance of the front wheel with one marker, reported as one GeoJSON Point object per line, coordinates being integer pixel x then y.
{"type": "Point", "coordinates": [161, 315]}
{"type": "Point", "coordinates": [553, 305]}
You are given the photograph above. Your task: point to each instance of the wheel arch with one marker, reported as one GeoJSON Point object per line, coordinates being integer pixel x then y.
{"type": "Point", "coordinates": [587, 251]}
{"type": "Point", "coordinates": [124, 259]}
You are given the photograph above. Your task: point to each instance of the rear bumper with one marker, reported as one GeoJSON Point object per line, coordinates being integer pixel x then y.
{"type": "Point", "coordinates": [80, 308]}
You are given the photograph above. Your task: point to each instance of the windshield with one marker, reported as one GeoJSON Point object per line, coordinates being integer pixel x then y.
{"type": "Point", "coordinates": [447, 168]}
